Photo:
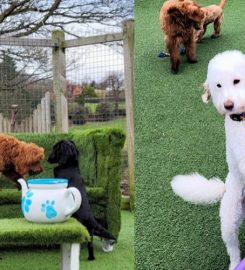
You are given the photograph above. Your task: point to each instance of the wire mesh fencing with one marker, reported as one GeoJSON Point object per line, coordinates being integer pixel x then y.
{"type": "Point", "coordinates": [25, 88]}
{"type": "Point", "coordinates": [95, 85]}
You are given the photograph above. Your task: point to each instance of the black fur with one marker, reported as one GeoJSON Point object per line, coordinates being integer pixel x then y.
{"type": "Point", "coordinates": [65, 153]}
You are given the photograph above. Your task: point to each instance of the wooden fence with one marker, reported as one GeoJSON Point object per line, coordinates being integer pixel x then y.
{"type": "Point", "coordinates": [39, 121]}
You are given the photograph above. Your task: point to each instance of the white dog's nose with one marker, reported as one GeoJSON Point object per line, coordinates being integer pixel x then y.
{"type": "Point", "coordinates": [228, 104]}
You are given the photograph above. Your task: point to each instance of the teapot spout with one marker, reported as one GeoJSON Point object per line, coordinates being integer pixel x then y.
{"type": "Point", "coordinates": [23, 184]}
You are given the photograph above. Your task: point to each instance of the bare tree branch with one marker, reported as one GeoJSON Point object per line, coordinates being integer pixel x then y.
{"type": "Point", "coordinates": [22, 18]}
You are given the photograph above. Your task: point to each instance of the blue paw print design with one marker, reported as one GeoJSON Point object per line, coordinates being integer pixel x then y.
{"type": "Point", "coordinates": [48, 209]}
{"type": "Point", "coordinates": [26, 201]}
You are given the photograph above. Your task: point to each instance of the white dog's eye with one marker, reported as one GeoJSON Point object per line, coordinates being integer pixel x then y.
{"type": "Point", "coordinates": [219, 85]}
{"type": "Point", "coordinates": [236, 81]}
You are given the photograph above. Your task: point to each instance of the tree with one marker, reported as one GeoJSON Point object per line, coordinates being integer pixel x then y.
{"type": "Point", "coordinates": [25, 17]}
{"type": "Point", "coordinates": [7, 72]}
{"type": "Point", "coordinates": [13, 93]}
{"type": "Point", "coordinates": [88, 91]}
{"type": "Point", "coordinates": [115, 83]}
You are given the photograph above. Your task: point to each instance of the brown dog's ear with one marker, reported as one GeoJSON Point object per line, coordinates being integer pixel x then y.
{"type": "Point", "coordinates": [26, 154]}
{"type": "Point", "coordinates": [197, 15]}
{"type": "Point", "coordinates": [176, 16]}
{"type": "Point", "coordinates": [175, 13]}
{"type": "Point", "coordinates": [206, 95]}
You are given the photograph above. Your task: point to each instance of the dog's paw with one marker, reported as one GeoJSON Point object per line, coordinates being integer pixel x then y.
{"type": "Point", "coordinates": [175, 67]}
{"type": "Point", "coordinates": [107, 245]}
{"type": "Point", "coordinates": [192, 61]}
{"type": "Point", "coordinates": [232, 266]}
{"type": "Point", "coordinates": [236, 263]}
{"type": "Point", "coordinates": [214, 35]}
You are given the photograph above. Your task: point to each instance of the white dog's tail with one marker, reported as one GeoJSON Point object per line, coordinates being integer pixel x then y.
{"type": "Point", "coordinates": [222, 3]}
{"type": "Point", "coordinates": [197, 189]}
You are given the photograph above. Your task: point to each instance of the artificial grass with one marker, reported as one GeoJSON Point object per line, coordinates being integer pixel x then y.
{"type": "Point", "coordinates": [175, 133]}
{"type": "Point", "coordinates": [18, 231]}
{"type": "Point", "coordinates": [122, 256]}
{"type": "Point", "coordinates": [125, 202]}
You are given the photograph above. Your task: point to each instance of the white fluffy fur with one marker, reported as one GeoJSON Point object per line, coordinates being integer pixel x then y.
{"type": "Point", "coordinates": [225, 83]}
{"type": "Point", "coordinates": [195, 188]}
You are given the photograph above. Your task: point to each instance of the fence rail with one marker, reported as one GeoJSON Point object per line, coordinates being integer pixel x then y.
{"type": "Point", "coordinates": [56, 43]}
{"type": "Point", "coordinates": [29, 42]}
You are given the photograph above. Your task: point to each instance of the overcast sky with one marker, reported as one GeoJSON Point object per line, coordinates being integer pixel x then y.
{"type": "Point", "coordinates": [95, 63]}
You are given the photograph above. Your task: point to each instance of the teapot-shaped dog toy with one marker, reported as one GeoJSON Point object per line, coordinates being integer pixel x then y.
{"type": "Point", "coordinates": [48, 200]}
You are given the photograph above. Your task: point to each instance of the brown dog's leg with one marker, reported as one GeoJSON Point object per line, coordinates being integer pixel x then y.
{"type": "Point", "coordinates": [190, 47]}
{"type": "Point", "coordinates": [12, 175]}
{"type": "Point", "coordinates": [201, 34]}
{"type": "Point", "coordinates": [204, 30]}
{"type": "Point", "coordinates": [172, 47]}
{"type": "Point", "coordinates": [217, 27]}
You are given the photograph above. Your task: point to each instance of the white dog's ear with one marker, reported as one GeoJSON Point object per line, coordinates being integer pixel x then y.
{"type": "Point", "coordinates": [206, 95]}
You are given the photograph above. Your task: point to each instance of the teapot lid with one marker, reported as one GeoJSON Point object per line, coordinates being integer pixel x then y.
{"type": "Point", "coordinates": [42, 181]}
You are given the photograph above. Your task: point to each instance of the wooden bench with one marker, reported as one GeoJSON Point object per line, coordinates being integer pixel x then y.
{"type": "Point", "coordinates": [69, 235]}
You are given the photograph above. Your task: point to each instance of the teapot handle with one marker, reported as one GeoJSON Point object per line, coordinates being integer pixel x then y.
{"type": "Point", "coordinates": [77, 200]}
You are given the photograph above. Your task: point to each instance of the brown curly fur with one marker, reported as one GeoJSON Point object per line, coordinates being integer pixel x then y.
{"type": "Point", "coordinates": [212, 14]}
{"type": "Point", "coordinates": [179, 21]}
{"type": "Point", "coordinates": [19, 158]}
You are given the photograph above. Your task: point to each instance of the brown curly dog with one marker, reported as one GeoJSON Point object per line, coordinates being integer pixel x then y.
{"type": "Point", "coordinates": [19, 159]}
{"type": "Point", "coordinates": [212, 14]}
{"type": "Point", "coordinates": [179, 21]}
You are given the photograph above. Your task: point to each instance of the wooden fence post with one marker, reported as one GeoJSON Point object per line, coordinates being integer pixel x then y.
{"type": "Point", "coordinates": [128, 44]}
{"type": "Point", "coordinates": [43, 115]}
{"type": "Point", "coordinates": [39, 118]}
{"type": "Point", "coordinates": [35, 124]}
{"type": "Point", "coordinates": [47, 112]}
{"type": "Point", "coordinates": [59, 82]}
{"type": "Point", "coordinates": [1, 123]}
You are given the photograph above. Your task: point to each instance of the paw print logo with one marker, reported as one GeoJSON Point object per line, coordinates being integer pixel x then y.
{"type": "Point", "coordinates": [48, 209]}
{"type": "Point", "coordinates": [26, 202]}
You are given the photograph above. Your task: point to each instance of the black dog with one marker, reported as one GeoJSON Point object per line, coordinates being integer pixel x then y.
{"type": "Point", "coordinates": [65, 153]}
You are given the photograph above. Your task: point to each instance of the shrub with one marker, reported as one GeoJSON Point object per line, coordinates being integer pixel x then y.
{"type": "Point", "coordinates": [77, 113]}
{"type": "Point", "coordinates": [103, 112]}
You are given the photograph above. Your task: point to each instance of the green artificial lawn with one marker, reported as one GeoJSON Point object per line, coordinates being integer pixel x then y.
{"type": "Point", "coordinates": [175, 133]}
{"type": "Point", "coordinates": [19, 230]}
{"type": "Point", "coordinates": [122, 258]}
{"type": "Point", "coordinates": [116, 123]}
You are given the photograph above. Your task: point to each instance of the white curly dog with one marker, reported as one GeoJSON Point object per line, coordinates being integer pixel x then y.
{"type": "Point", "coordinates": [225, 85]}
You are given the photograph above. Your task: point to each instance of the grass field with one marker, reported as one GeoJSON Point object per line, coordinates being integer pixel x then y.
{"type": "Point", "coordinates": [175, 133]}
{"type": "Point", "coordinates": [92, 106]}
{"type": "Point", "coordinates": [122, 258]}
{"type": "Point", "coordinates": [116, 123]}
